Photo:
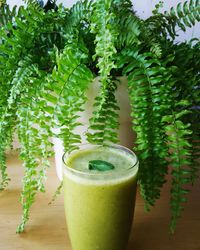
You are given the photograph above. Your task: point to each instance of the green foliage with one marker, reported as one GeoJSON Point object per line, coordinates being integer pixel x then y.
{"type": "Point", "coordinates": [6, 14]}
{"type": "Point", "coordinates": [48, 59]}
{"type": "Point", "coordinates": [149, 102]}
{"type": "Point", "coordinates": [27, 53]}
{"type": "Point", "coordinates": [67, 93]}
{"type": "Point", "coordinates": [187, 87]}
{"type": "Point", "coordinates": [104, 27]}
{"type": "Point", "coordinates": [8, 112]}
{"type": "Point", "coordinates": [33, 133]}
{"type": "Point", "coordinates": [186, 14]}
{"type": "Point", "coordinates": [79, 13]}
{"type": "Point", "coordinates": [57, 192]}
{"type": "Point", "coordinates": [180, 161]}
{"type": "Point", "coordinates": [104, 123]}
{"type": "Point", "coordinates": [129, 24]}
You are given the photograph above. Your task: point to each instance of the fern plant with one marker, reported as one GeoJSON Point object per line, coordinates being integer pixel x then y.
{"type": "Point", "coordinates": [50, 54]}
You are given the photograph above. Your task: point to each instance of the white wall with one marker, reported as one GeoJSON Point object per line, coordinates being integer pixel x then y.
{"type": "Point", "coordinates": [143, 8]}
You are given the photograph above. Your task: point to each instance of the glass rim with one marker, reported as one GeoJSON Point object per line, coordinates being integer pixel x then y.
{"type": "Point", "coordinates": [103, 173]}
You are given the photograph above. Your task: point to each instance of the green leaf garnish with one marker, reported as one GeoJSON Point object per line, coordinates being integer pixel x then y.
{"type": "Point", "coordinates": [100, 165]}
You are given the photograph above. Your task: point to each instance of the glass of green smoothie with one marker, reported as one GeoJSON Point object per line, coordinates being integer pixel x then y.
{"type": "Point", "coordinates": [99, 196]}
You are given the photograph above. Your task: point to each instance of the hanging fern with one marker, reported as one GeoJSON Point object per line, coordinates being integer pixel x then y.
{"type": "Point", "coordinates": [160, 27]}
{"type": "Point", "coordinates": [152, 104]}
{"type": "Point", "coordinates": [6, 14]}
{"type": "Point", "coordinates": [180, 153]}
{"type": "Point", "coordinates": [21, 86]}
{"type": "Point", "coordinates": [102, 25]}
{"type": "Point", "coordinates": [69, 81]}
{"type": "Point", "coordinates": [59, 102]}
{"type": "Point", "coordinates": [188, 88]}
{"type": "Point", "coordinates": [129, 24]}
{"type": "Point", "coordinates": [103, 129]}
{"type": "Point", "coordinates": [79, 12]}
{"type": "Point", "coordinates": [49, 56]}
{"type": "Point", "coordinates": [8, 117]}
{"type": "Point", "coordinates": [106, 35]}
{"type": "Point", "coordinates": [149, 100]}
{"type": "Point", "coordinates": [22, 111]}
{"type": "Point", "coordinates": [34, 134]}
{"type": "Point", "coordinates": [186, 14]}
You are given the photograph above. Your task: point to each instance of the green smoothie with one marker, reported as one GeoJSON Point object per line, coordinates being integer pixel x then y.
{"type": "Point", "coordinates": [99, 205]}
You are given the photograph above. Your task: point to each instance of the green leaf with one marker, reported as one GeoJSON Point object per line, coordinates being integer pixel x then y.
{"type": "Point", "coordinates": [100, 165]}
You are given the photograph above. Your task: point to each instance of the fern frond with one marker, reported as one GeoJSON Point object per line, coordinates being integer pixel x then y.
{"type": "Point", "coordinates": [187, 61]}
{"type": "Point", "coordinates": [22, 112]}
{"type": "Point", "coordinates": [6, 14]}
{"type": "Point", "coordinates": [103, 125]}
{"type": "Point", "coordinates": [79, 12]}
{"type": "Point", "coordinates": [129, 24]}
{"type": "Point", "coordinates": [149, 100]}
{"type": "Point", "coordinates": [180, 160]}
{"type": "Point", "coordinates": [103, 128]}
{"type": "Point", "coordinates": [4, 176]}
{"type": "Point", "coordinates": [104, 27]}
{"type": "Point", "coordinates": [185, 14]}
{"type": "Point", "coordinates": [34, 136]}
{"type": "Point", "coordinates": [162, 134]}
{"type": "Point", "coordinates": [182, 123]}
{"type": "Point", "coordinates": [8, 117]}
{"type": "Point", "coordinates": [156, 49]}
{"type": "Point", "coordinates": [194, 140]}
{"type": "Point", "coordinates": [66, 92]}
{"type": "Point", "coordinates": [159, 26]}
{"type": "Point", "coordinates": [57, 192]}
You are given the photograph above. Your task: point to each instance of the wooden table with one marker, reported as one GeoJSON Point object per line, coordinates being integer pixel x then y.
{"type": "Point", "coordinates": [46, 229]}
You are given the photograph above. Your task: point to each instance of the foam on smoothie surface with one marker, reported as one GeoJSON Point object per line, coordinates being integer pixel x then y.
{"type": "Point", "coordinates": [120, 159]}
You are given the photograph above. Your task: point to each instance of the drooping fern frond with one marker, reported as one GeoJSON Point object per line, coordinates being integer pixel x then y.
{"type": "Point", "coordinates": [187, 61]}
{"type": "Point", "coordinates": [22, 112]}
{"type": "Point", "coordinates": [79, 13]}
{"type": "Point", "coordinates": [106, 35]}
{"type": "Point", "coordinates": [104, 27]}
{"type": "Point", "coordinates": [159, 27]}
{"type": "Point", "coordinates": [4, 138]}
{"type": "Point", "coordinates": [129, 24]}
{"type": "Point", "coordinates": [103, 129]}
{"type": "Point", "coordinates": [26, 39]}
{"type": "Point", "coordinates": [194, 140]}
{"type": "Point", "coordinates": [180, 160]}
{"type": "Point", "coordinates": [66, 92]}
{"type": "Point", "coordinates": [185, 14]}
{"type": "Point", "coordinates": [34, 136]}
{"type": "Point", "coordinates": [149, 102]}
{"type": "Point", "coordinates": [6, 14]}
{"type": "Point", "coordinates": [35, 34]}
{"type": "Point", "coordinates": [22, 34]}
{"type": "Point", "coordinates": [162, 134]}
{"type": "Point", "coordinates": [156, 49]}
{"type": "Point", "coordinates": [8, 112]}
{"type": "Point", "coordinates": [4, 176]}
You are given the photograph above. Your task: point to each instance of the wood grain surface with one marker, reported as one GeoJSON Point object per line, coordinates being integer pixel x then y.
{"type": "Point", "coordinates": [47, 230]}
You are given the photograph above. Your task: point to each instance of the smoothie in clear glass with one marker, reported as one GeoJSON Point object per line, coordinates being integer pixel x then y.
{"type": "Point", "coordinates": [99, 202]}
